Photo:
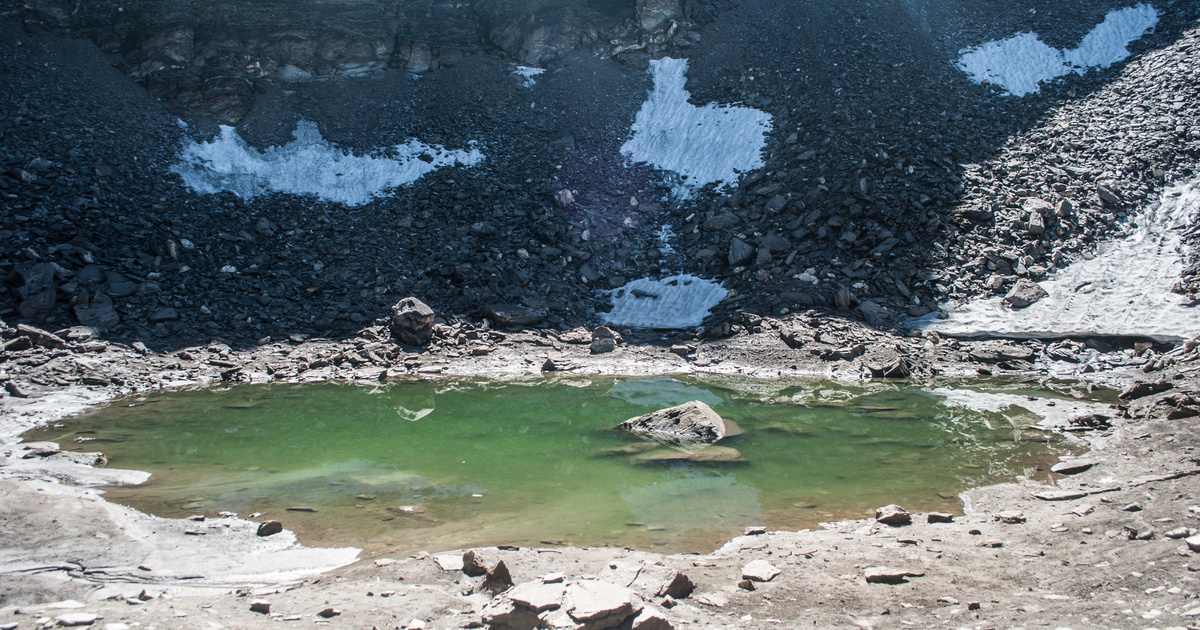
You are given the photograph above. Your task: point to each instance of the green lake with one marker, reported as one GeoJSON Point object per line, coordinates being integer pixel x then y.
{"type": "Point", "coordinates": [535, 461]}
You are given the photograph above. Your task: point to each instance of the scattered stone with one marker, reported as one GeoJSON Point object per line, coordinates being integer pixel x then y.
{"type": "Point", "coordinates": [1024, 293]}
{"type": "Point", "coordinates": [1193, 543]}
{"type": "Point", "coordinates": [449, 562]}
{"type": "Point", "coordinates": [537, 596]}
{"type": "Point", "coordinates": [893, 515]}
{"type": "Point", "coordinates": [498, 578]}
{"type": "Point", "coordinates": [759, 571]}
{"type": "Point", "coordinates": [269, 528]}
{"type": "Point", "coordinates": [600, 604]}
{"type": "Point", "coordinates": [603, 345]}
{"type": "Point", "coordinates": [473, 564]}
{"type": "Point", "coordinates": [1073, 467]}
{"type": "Point", "coordinates": [329, 613]}
{"type": "Point", "coordinates": [1010, 517]}
{"type": "Point", "coordinates": [650, 618]}
{"type": "Point", "coordinates": [412, 322]}
{"type": "Point", "coordinates": [887, 575]}
{"type": "Point", "coordinates": [940, 517]}
{"type": "Point", "coordinates": [260, 606]}
{"type": "Point", "coordinates": [746, 585]}
{"type": "Point", "coordinates": [1141, 389]}
{"type": "Point", "coordinates": [514, 315]}
{"type": "Point", "coordinates": [68, 620]}
{"type": "Point", "coordinates": [690, 423]}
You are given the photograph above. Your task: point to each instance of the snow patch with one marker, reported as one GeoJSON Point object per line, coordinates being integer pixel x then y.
{"type": "Point", "coordinates": [1020, 63]}
{"type": "Point", "coordinates": [309, 165]}
{"type": "Point", "coordinates": [702, 145]}
{"type": "Point", "coordinates": [527, 73]}
{"type": "Point", "coordinates": [1124, 291]}
{"type": "Point", "coordinates": [1054, 412]}
{"type": "Point", "coordinates": [676, 302]}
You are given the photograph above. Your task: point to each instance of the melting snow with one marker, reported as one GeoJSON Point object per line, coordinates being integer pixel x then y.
{"type": "Point", "coordinates": [527, 73]}
{"type": "Point", "coordinates": [309, 165]}
{"type": "Point", "coordinates": [1021, 62]}
{"type": "Point", "coordinates": [702, 145]}
{"type": "Point", "coordinates": [675, 302]}
{"type": "Point", "coordinates": [1053, 411]}
{"type": "Point", "coordinates": [1124, 291]}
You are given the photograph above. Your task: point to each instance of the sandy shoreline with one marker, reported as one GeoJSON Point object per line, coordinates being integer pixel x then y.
{"type": "Point", "coordinates": [116, 552]}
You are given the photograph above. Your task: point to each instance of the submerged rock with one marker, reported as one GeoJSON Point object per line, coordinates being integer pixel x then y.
{"type": "Point", "coordinates": [690, 423]}
{"type": "Point", "coordinates": [632, 448]}
{"type": "Point", "coordinates": [705, 455]}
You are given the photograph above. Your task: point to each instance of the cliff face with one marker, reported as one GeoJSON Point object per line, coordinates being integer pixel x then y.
{"type": "Point", "coordinates": [208, 57]}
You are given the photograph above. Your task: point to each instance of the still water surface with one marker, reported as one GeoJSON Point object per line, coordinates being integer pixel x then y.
{"type": "Point", "coordinates": [535, 461]}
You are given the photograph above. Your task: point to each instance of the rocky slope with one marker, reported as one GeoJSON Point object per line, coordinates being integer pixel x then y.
{"type": "Point", "coordinates": [896, 181]}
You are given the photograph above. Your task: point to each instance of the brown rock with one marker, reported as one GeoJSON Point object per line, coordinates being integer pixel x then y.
{"type": "Point", "coordinates": [269, 528]}
{"type": "Point", "coordinates": [893, 515]}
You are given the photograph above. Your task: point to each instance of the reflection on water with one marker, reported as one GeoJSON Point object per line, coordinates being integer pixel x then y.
{"type": "Point", "coordinates": [661, 392]}
{"type": "Point", "coordinates": [446, 464]}
{"type": "Point", "coordinates": [697, 500]}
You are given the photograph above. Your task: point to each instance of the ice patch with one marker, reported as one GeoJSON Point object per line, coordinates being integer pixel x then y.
{"type": "Point", "coordinates": [527, 73]}
{"type": "Point", "coordinates": [665, 234]}
{"type": "Point", "coordinates": [1018, 64]}
{"type": "Point", "coordinates": [1124, 291]}
{"type": "Point", "coordinates": [676, 302]}
{"type": "Point", "coordinates": [1021, 62]}
{"type": "Point", "coordinates": [1105, 45]}
{"type": "Point", "coordinates": [309, 165]}
{"type": "Point", "coordinates": [1054, 412]}
{"type": "Point", "coordinates": [702, 145]}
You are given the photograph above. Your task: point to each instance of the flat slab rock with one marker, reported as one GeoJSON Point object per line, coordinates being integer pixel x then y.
{"type": "Point", "coordinates": [759, 571]}
{"type": "Point", "coordinates": [594, 601]}
{"type": "Point", "coordinates": [889, 575]}
{"type": "Point", "coordinates": [690, 423]}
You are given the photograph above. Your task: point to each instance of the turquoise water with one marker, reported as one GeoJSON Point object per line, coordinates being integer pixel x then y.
{"type": "Point", "coordinates": [536, 461]}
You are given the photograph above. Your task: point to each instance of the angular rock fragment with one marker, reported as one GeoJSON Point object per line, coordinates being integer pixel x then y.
{"type": "Point", "coordinates": [412, 322]}
{"type": "Point", "coordinates": [888, 575]}
{"type": "Point", "coordinates": [759, 571]}
{"type": "Point", "coordinates": [601, 605]}
{"type": "Point", "coordinates": [514, 315]}
{"type": "Point", "coordinates": [1024, 293]}
{"type": "Point", "coordinates": [893, 515]}
{"type": "Point", "coordinates": [1073, 467]}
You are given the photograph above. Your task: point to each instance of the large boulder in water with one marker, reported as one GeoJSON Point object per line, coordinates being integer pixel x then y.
{"type": "Point", "coordinates": [690, 423]}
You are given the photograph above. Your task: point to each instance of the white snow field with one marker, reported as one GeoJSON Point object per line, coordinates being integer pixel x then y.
{"type": "Point", "coordinates": [1020, 63]}
{"type": "Point", "coordinates": [1125, 290]}
{"type": "Point", "coordinates": [702, 145]}
{"type": "Point", "coordinates": [675, 302]}
{"type": "Point", "coordinates": [309, 165]}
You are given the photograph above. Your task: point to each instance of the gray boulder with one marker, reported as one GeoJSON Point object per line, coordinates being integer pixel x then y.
{"type": "Point", "coordinates": [1024, 293]}
{"type": "Point", "coordinates": [412, 321]}
{"type": "Point", "coordinates": [690, 423]}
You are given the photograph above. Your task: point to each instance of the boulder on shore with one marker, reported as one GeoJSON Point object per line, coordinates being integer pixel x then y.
{"type": "Point", "coordinates": [690, 423]}
{"type": "Point", "coordinates": [1024, 293]}
{"type": "Point", "coordinates": [412, 321]}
